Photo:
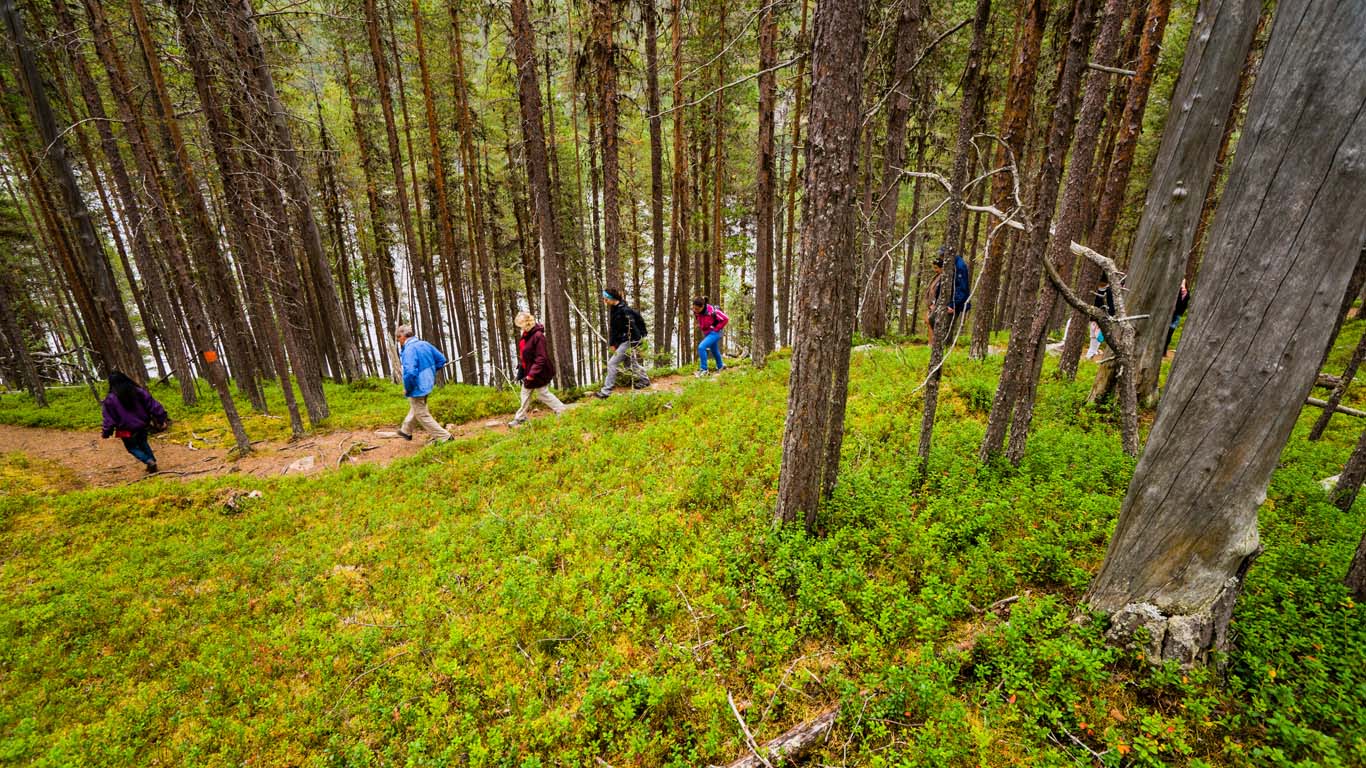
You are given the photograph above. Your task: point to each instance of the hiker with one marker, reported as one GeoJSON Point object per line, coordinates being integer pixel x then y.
{"type": "Point", "coordinates": [962, 290]}
{"type": "Point", "coordinates": [535, 369]}
{"type": "Point", "coordinates": [130, 412]}
{"type": "Point", "coordinates": [420, 361]}
{"type": "Point", "coordinates": [1183, 300]}
{"type": "Point", "coordinates": [626, 330]}
{"type": "Point", "coordinates": [1104, 300]}
{"type": "Point", "coordinates": [710, 321]}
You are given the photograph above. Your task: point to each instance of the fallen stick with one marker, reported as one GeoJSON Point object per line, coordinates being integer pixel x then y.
{"type": "Point", "coordinates": [794, 743]}
{"type": "Point", "coordinates": [1317, 403]}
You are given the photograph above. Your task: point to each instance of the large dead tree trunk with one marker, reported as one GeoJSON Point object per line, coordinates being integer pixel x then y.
{"type": "Point", "coordinates": [1281, 256]}
{"type": "Point", "coordinates": [826, 295]}
{"type": "Point", "coordinates": [1218, 45]}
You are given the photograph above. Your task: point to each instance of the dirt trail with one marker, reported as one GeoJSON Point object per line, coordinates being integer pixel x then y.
{"type": "Point", "coordinates": [103, 463]}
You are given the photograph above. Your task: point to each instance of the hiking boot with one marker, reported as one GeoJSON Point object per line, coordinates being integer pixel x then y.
{"type": "Point", "coordinates": [151, 467]}
{"type": "Point", "coordinates": [515, 423]}
{"type": "Point", "coordinates": [601, 395]}
{"type": "Point", "coordinates": [702, 373]}
{"type": "Point", "coordinates": [405, 435]}
{"type": "Point", "coordinates": [641, 385]}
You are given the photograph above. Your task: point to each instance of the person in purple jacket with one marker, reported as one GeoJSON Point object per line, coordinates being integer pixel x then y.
{"type": "Point", "coordinates": [129, 412]}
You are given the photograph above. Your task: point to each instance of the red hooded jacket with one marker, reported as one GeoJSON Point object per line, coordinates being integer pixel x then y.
{"type": "Point", "coordinates": [537, 367]}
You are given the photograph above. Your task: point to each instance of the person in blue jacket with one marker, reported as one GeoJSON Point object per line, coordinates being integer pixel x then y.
{"type": "Point", "coordinates": [420, 361]}
{"type": "Point", "coordinates": [962, 290]}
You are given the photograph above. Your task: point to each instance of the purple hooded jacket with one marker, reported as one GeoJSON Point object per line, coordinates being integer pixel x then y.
{"type": "Point", "coordinates": [145, 410]}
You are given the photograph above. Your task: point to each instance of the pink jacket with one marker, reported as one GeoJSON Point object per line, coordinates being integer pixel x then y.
{"type": "Point", "coordinates": [711, 319]}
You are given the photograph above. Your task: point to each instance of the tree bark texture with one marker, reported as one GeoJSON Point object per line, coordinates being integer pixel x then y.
{"type": "Point", "coordinates": [1187, 531]}
{"type": "Point", "coordinates": [538, 180]}
{"type": "Point", "coordinates": [1218, 45]}
{"type": "Point", "coordinates": [658, 305]}
{"type": "Point", "coordinates": [762, 339]}
{"type": "Point", "coordinates": [825, 294]}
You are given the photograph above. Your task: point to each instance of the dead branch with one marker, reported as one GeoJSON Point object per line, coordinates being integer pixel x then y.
{"type": "Point", "coordinates": [749, 737]}
{"type": "Point", "coordinates": [795, 742]}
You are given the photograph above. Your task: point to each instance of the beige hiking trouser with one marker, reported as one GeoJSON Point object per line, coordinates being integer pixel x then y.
{"type": "Point", "coordinates": [417, 412]}
{"type": "Point", "coordinates": [542, 394]}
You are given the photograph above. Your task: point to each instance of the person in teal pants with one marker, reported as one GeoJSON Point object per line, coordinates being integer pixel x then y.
{"type": "Point", "coordinates": [710, 321]}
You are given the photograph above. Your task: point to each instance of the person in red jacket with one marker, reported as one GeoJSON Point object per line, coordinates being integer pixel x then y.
{"type": "Point", "coordinates": [535, 369]}
{"type": "Point", "coordinates": [710, 321]}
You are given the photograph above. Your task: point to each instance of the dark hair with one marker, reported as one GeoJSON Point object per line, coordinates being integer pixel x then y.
{"type": "Point", "coordinates": [614, 293]}
{"type": "Point", "coordinates": [699, 301]}
{"type": "Point", "coordinates": [122, 387]}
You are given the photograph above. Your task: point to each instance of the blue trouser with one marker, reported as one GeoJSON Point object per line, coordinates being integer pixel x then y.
{"type": "Point", "coordinates": [712, 341]}
{"type": "Point", "coordinates": [139, 447]}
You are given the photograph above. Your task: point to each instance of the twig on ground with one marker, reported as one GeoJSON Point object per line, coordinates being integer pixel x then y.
{"type": "Point", "coordinates": [357, 678]}
{"type": "Point", "coordinates": [749, 737]}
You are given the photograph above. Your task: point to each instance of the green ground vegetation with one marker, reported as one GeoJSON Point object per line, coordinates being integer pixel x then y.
{"type": "Point", "coordinates": [595, 586]}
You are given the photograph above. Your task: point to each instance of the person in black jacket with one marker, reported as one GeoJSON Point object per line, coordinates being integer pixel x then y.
{"type": "Point", "coordinates": [535, 368]}
{"type": "Point", "coordinates": [626, 330]}
{"type": "Point", "coordinates": [1183, 300]}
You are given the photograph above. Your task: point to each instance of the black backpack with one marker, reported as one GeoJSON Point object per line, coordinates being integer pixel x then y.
{"type": "Point", "coordinates": [638, 328]}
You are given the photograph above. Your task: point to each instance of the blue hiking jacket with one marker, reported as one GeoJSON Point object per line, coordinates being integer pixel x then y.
{"type": "Point", "coordinates": [421, 361]}
{"type": "Point", "coordinates": [962, 284]}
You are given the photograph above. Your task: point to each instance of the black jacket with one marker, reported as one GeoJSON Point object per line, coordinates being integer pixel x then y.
{"type": "Point", "coordinates": [619, 330]}
{"type": "Point", "coordinates": [1104, 299]}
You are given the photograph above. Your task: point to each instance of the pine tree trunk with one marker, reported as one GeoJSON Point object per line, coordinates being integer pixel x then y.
{"type": "Point", "coordinates": [1021, 354]}
{"type": "Point", "coordinates": [679, 225]}
{"type": "Point", "coordinates": [1187, 531]}
{"type": "Point", "coordinates": [108, 320]}
{"type": "Point", "coordinates": [762, 337]}
{"type": "Point", "coordinates": [1117, 175]}
{"type": "Point", "coordinates": [658, 305]}
{"type": "Point", "coordinates": [877, 287]}
{"type": "Point", "coordinates": [538, 173]}
{"type": "Point", "coordinates": [825, 296]}
{"type": "Point", "coordinates": [1019, 105]}
{"type": "Point", "coordinates": [943, 325]}
{"type": "Point", "coordinates": [1356, 572]}
{"type": "Point", "coordinates": [788, 281]}
{"type": "Point", "coordinates": [716, 269]}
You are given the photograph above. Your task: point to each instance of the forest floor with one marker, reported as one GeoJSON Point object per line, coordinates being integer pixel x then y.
{"type": "Point", "coordinates": [184, 454]}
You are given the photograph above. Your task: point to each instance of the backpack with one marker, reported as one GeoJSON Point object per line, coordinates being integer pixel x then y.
{"type": "Point", "coordinates": [638, 328]}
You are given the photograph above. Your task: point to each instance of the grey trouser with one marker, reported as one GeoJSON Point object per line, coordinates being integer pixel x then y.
{"type": "Point", "coordinates": [417, 412]}
{"type": "Point", "coordinates": [625, 353]}
{"type": "Point", "coordinates": [542, 394]}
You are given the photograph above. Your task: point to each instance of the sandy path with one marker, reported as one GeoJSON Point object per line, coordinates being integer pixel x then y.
{"type": "Point", "coordinates": [102, 463]}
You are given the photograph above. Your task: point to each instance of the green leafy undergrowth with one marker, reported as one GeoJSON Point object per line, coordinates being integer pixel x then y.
{"type": "Point", "coordinates": [599, 586]}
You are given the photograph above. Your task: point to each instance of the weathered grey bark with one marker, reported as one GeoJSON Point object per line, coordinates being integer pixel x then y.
{"type": "Point", "coordinates": [792, 744]}
{"type": "Point", "coordinates": [942, 320]}
{"type": "Point", "coordinates": [1218, 44]}
{"type": "Point", "coordinates": [538, 172]}
{"type": "Point", "coordinates": [826, 297]}
{"type": "Point", "coordinates": [877, 285]}
{"type": "Point", "coordinates": [111, 330]}
{"type": "Point", "coordinates": [1349, 481]}
{"type": "Point", "coordinates": [1187, 531]}
{"type": "Point", "coordinates": [762, 337]}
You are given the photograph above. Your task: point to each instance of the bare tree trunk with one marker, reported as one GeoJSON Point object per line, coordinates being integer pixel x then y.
{"type": "Point", "coordinates": [533, 132]}
{"type": "Point", "coordinates": [1187, 531]}
{"type": "Point", "coordinates": [716, 270]}
{"type": "Point", "coordinates": [679, 225]}
{"type": "Point", "coordinates": [943, 325]}
{"type": "Point", "coordinates": [826, 297]}
{"type": "Point", "coordinates": [1356, 572]}
{"type": "Point", "coordinates": [1022, 352]}
{"type": "Point", "coordinates": [1019, 104]}
{"type": "Point", "coordinates": [1215, 52]}
{"type": "Point", "coordinates": [788, 281]}
{"type": "Point", "coordinates": [762, 338]}
{"type": "Point", "coordinates": [1070, 221]}
{"type": "Point", "coordinates": [1341, 389]}
{"type": "Point", "coordinates": [1117, 175]}
{"type": "Point", "coordinates": [877, 288]}
{"type": "Point", "coordinates": [659, 304]}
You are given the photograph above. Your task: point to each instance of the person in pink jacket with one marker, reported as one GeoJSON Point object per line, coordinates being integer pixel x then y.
{"type": "Point", "coordinates": [710, 321]}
